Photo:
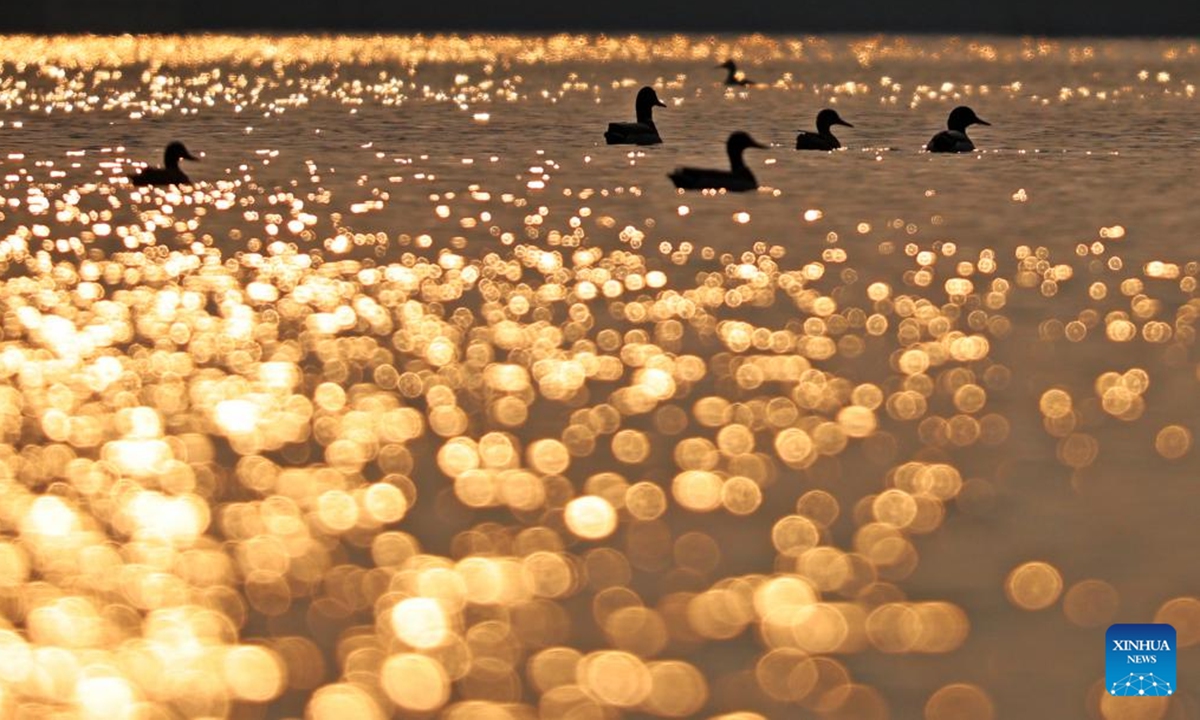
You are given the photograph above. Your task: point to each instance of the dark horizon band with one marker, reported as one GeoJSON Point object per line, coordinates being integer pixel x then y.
{"type": "Point", "coordinates": [1165, 18]}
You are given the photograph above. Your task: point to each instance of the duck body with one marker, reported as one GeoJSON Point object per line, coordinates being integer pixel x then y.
{"type": "Point", "coordinates": [705, 179]}
{"type": "Point", "coordinates": [632, 133]}
{"type": "Point", "coordinates": [170, 173]}
{"type": "Point", "coordinates": [823, 138]}
{"type": "Point", "coordinates": [160, 176]}
{"type": "Point", "coordinates": [954, 139]}
{"type": "Point", "coordinates": [737, 179]}
{"type": "Point", "coordinates": [641, 132]}
{"type": "Point", "coordinates": [950, 141]}
{"type": "Point", "coordinates": [816, 141]}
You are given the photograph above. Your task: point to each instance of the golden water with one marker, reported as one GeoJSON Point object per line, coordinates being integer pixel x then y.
{"type": "Point", "coordinates": [421, 400]}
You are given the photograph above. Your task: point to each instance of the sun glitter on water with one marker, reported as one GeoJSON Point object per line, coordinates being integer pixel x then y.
{"type": "Point", "coordinates": [366, 423]}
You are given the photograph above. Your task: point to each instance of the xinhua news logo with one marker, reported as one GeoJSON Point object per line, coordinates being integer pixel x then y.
{"type": "Point", "coordinates": [1140, 660]}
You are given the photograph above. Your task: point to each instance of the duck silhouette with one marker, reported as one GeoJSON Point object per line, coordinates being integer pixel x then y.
{"type": "Point", "coordinates": [954, 139]}
{"type": "Point", "coordinates": [734, 76]}
{"type": "Point", "coordinates": [169, 174]}
{"type": "Point", "coordinates": [822, 139]}
{"type": "Point", "coordinates": [737, 179]}
{"type": "Point", "coordinates": [641, 132]}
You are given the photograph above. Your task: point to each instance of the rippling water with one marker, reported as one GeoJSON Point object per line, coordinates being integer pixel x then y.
{"type": "Point", "coordinates": [420, 400]}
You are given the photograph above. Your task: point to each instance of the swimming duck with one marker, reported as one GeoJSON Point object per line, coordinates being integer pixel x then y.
{"type": "Point", "coordinates": [955, 139]}
{"type": "Point", "coordinates": [734, 77]}
{"type": "Point", "coordinates": [822, 139]}
{"type": "Point", "coordinates": [169, 174]}
{"type": "Point", "coordinates": [737, 179]}
{"type": "Point", "coordinates": [641, 132]}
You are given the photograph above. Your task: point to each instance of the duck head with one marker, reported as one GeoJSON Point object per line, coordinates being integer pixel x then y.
{"type": "Point", "coordinates": [176, 152]}
{"type": "Point", "coordinates": [827, 118]}
{"type": "Point", "coordinates": [962, 117]}
{"type": "Point", "coordinates": [739, 141]}
{"type": "Point", "coordinates": [736, 144]}
{"type": "Point", "coordinates": [646, 101]}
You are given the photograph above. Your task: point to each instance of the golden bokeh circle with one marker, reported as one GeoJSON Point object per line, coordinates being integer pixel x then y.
{"type": "Point", "coordinates": [1182, 613]}
{"type": "Point", "coordinates": [1091, 603]}
{"type": "Point", "coordinates": [591, 517]}
{"type": "Point", "coordinates": [960, 701]}
{"type": "Point", "coordinates": [1033, 585]}
{"type": "Point", "coordinates": [415, 682]}
{"type": "Point", "coordinates": [1173, 442]}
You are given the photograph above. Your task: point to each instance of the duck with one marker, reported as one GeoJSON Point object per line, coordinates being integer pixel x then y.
{"type": "Point", "coordinates": [734, 77]}
{"type": "Point", "coordinates": [955, 140]}
{"type": "Point", "coordinates": [169, 174]}
{"type": "Point", "coordinates": [822, 139]}
{"type": "Point", "coordinates": [641, 132]}
{"type": "Point", "coordinates": [737, 179]}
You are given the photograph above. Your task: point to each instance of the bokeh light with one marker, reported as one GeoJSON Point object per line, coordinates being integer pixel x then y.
{"type": "Point", "coordinates": [372, 422]}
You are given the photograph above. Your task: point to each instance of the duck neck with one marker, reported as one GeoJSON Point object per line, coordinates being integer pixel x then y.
{"type": "Point", "coordinates": [731, 78]}
{"type": "Point", "coordinates": [825, 130]}
{"type": "Point", "coordinates": [736, 162]}
{"type": "Point", "coordinates": [645, 115]}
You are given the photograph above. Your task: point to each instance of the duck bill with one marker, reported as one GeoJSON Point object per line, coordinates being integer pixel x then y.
{"type": "Point", "coordinates": [659, 103]}
{"type": "Point", "coordinates": [189, 156]}
{"type": "Point", "coordinates": [757, 144]}
{"type": "Point", "coordinates": [981, 121]}
{"type": "Point", "coordinates": [844, 123]}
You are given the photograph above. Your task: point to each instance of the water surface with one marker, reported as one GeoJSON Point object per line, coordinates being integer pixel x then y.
{"type": "Point", "coordinates": [422, 400]}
